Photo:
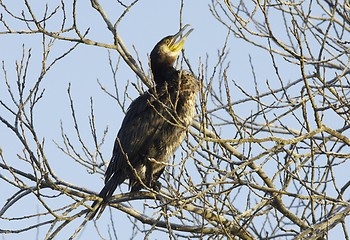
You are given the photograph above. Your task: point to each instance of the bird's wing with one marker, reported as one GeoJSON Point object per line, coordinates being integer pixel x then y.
{"type": "Point", "coordinates": [140, 128]}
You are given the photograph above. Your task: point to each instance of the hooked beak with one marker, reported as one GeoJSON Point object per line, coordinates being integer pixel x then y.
{"type": "Point", "coordinates": [178, 41]}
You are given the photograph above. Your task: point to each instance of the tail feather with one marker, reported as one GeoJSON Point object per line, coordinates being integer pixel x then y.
{"type": "Point", "coordinates": [106, 193]}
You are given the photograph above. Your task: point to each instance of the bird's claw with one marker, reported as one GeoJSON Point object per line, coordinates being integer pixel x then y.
{"type": "Point", "coordinates": [157, 186]}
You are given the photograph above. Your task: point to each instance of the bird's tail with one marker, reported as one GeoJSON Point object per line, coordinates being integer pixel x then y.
{"type": "Point", "coordinates": [106, 193]}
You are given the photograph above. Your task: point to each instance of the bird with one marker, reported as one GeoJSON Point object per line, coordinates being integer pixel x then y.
{"type": "Point", "coordinates": [154, 125]}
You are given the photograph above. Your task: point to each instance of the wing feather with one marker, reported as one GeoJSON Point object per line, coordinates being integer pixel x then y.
{"type": "Point", "coordinates": [140, 128]}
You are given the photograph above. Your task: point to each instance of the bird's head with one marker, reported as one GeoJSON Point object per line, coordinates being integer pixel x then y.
{"type": "Point", "coordinates": [165, 53]}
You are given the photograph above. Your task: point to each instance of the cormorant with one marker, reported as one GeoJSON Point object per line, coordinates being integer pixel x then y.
{"type": "Point", "coordinates": [155, 123]}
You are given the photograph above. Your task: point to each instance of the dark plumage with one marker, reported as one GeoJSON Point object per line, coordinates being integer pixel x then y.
{"type": "Point", "coordinates": [155, 123]}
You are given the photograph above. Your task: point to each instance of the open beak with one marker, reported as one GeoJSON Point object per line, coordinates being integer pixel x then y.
{"type": "Point", "coordinates": [178, 41]}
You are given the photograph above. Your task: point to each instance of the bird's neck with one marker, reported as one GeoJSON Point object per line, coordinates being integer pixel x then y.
{"type": "Point", "coordinates": [164, 74]}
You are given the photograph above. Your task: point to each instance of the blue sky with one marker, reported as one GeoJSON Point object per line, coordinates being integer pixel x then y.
{"type": "Point", "coordinates": [142, 27]}
{"type": "Point", "coordinates": [146, 23]}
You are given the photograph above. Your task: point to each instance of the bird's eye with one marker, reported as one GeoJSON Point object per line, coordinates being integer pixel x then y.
{"type": "Point", "coordinates": [167, 41]}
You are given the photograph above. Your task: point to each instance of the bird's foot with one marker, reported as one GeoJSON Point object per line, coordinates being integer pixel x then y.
{"type": "Point", "coordinates": [157, 186]}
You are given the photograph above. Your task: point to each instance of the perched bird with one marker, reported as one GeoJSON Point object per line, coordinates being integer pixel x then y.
{"type": "Point", "coordinates": [155, 123]}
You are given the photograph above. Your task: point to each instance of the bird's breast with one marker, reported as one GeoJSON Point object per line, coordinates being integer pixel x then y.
{"type": "Point", "coordinates": [175, 103]}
